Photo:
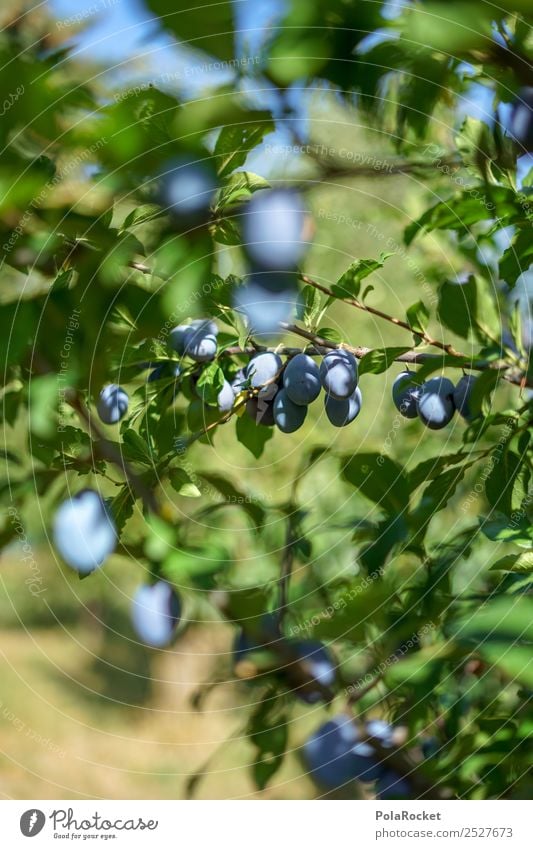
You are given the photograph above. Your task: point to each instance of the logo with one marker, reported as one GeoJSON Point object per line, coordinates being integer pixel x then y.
{"type": "Point", "coordinates": [32, 822]}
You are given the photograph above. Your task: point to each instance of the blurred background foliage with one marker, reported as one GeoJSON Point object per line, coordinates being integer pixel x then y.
{"type": "Point", "coordinates": [377, 112]}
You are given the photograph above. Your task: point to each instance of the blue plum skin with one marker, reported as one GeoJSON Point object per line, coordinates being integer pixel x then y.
{"type": "Point", "coordinates": [391, 785]}
{"type": "Point", "coordinates": [188, 188]}
{"type": "Point", "coordinates": [265, 301]}
{"type": "Point", "coordinates": [335, 753]}
{"type": "Point", "coordinates": [197, 340]}
{"type": "Point", "coordinates": [155, 614]}
{"type": "Point", "coordinates": [112, 404]}
{"type": "Point", "coordinates": [341, 413]}
{"type": "Point", "coordinates": [301, 379]}
{"type": "Point", "coordinates": [263, 368]}
{"type": "Point", "coordinates": [314, 658]}
{"type": "Point", "coordinates": [162, 370]}
{"type": "Point", "coordinates": [328, 752]}
{"type": "Point", "coordinates": [406, 394]}
{"type": "Point", "coordinates": [339, 374]}
{"type": "Point", "coordinates": [435, 405]}
{"type": "Point", "coordinates": [261, 411]}
{"type": "Point", "coordinates": [83, 531]}
{"type": "Point", "coordinates": [521, 125]}
{"type": "Point", "coordinates": [272, 229]}
{"type": "Point", "coordinates": [462, 393]}
{"type": "Point", "coordinates": [237, 384]}
{"type": "Point", "coordinates": [225, 398]}
{"type": "Point", "coordinates": [288, 416]}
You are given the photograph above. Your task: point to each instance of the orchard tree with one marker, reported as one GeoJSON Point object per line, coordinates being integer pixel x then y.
{"type": "Point", "coordinates": [164, 308]}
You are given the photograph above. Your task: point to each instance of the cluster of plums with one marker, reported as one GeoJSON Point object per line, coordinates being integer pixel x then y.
{"type": "Point", "coordinates": [435, 401]}
{"type": "Point", "coordinates": [283, 392]}
{"type": "Point", "coordinates": [338, 753]}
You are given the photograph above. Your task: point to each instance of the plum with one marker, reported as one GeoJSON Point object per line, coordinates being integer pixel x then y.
{"type": "Point", "coordinates": [301, 379]}
{"type": "Point", "coordinates": [263, 368]}
{"type": "Point", "coordinates": [266, 300]}
{"type": "Point", "coordinates": [225, 398]}
{"type": "Point", "coordinates": [197, 340]}
{"type": "Point", "coordinates": [112, 404]}
{"type": "Point", "coordinates": [84, 532]}
{"type": "Point", "coordinates": [435, 405]}
{"type": "Point", "coordinates": [341, 413]}
{"type": "Point", "coordinates": [339, 374]}
{"type": "Point", "coordinates": [155, 613]}
{"type": "Point", "coordinates": [406, 394]}
{"type": "Point", "coordinates": [311, 670]}
{"type": "Point", "coordinates": [521, 124]}
{"type": "Point", "coordinates": [261, 411]}
{"type": "Point", "coordinates": [366, 764]}
{"type": "Point", "coordinates": [328, 752]}
{"type": "Point", "coordinates": [238, 382]}
{"type": "Point", "coordinates": [391, 785]}
{"type": "Point", "coordinates": [188, 189]}
{"type": "Point", "coordinates": [288, 415]}
{"type": "Point", "coordinates": [462, 393]}
{"type": "Point", "coordinates": [169, 368]}
{"type": "Point", "coordinates": [273, 229]}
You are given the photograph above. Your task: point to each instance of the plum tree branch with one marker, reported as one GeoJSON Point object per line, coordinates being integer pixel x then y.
{"type": "Point", "coordinates": [354, 302]}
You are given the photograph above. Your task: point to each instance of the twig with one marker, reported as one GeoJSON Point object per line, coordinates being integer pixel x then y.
{"type": "Point", "coordinates": [449, 349]}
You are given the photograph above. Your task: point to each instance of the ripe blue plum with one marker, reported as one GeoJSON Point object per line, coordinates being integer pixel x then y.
{"type": "Point", "coordinates": [310, 670]}
{"type": "Point", "coordinates": [155, 613]}
{"type": "Point", "coordinates": [339, 374]}
{"type": "Point", "coordinates": [188, 189]}
{"type": "Point", "coordinates": [288, 415]}
{"type": "Point", "coordinates": [435, 405]}
{"type": "Point", "coordinates": [225, 398]}
{"type": "Point", "coordinates": [391, 785]}
{"type": "Point", "coordinates": [197, 340]}
{"type": "Point", "coordinates": [366, 763]}
{"type": "Point", "coordinates": [328, 752]}
{"type": "Point", "coordinates": [84, 532]}
{"type": "Point", "coordinates": [462, 393]}
{"type": "Point", "coordinates": [341, 413]}
{"type": "Point", "coordinates": [301, 379]}
{"type": "Point", "coordinates": [263, 368]}
{"type": "Point", "coordinates": [112, 404]}
{"type": "Point", "coordinates": [261, 411]}
{"type": "Point", "coordinates": [273, 229]}
{"type": "Point", "coordinates": [521, 125]}
{"type": "Point", "coordinates": [406, 394]}
{"type": "Point", "coordinates": [266, 300]}
{"type": "Point", "coordinates": [237, 384]}
{"type": "Point", "coordinates": [164, 370]}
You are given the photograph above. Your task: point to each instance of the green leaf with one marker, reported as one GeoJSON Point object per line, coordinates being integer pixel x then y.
{"type": "Point", "coordinates": [199, 27]}
{"type": "Point", "coordinates": [380, 359]}
{"type": "Point", "coordinates": [417, 316]}
{"type": "Point", "coordinates": [235, 141]}
{"type": "Point", "coordinates": [470, 308]}
{"type": "Point", "coordinates": [182, 483]}
{"type": "Point", "coordinates": [239, 187]}
{"type": "Point", "coordinates": [434, 466]}
{"type": "Point", "coordinates": [349, 284]}
{"type": "Point", "coordinates": [233, 495]}
{"type": "Point", "coordinates": [519, 563]}
{"type": "Point", "coordinates": [517, 258]}
{"type": "Point", "coordinates": [502, 529]}
{"type": "Point", "coordinates": [253, 436]}
{"type": "Point", "coordinates": [210, 383]}
{"type": "Point", "coordinates": [141, 214]}
{"type": "Point", "coordinates": [268, 731]}
{"type": "Point", "coordinates": [380, 479]}
{"type": "Point", "coordinates": [135, 448]}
